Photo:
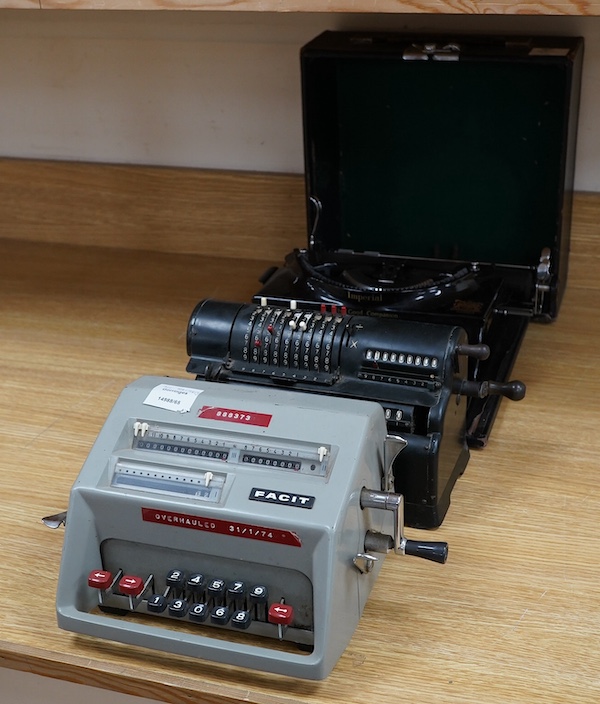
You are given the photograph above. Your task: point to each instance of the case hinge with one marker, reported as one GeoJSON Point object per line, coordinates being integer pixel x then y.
{"type": "Point", "coordinates": [431, 50]}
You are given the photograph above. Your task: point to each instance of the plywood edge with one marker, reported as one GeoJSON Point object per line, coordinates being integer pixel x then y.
{"type": "Point", "coordinates": [131, 679]}
{"type": "Point", "coordinates": [480, 7]}
{"type": "Point", "coordinates": [188, 211]}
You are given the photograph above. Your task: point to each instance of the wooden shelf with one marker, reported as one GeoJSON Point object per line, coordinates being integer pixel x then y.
{"type": "Point", "coordinates": [512, 616]}
{"type": "Point", "coordinates": [237, 214]}
{"type": "Point", "coordinates": [473, 7]}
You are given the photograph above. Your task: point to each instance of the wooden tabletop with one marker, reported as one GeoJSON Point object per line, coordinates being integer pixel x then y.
{"type": "Point", "coordinates": [512, 617]}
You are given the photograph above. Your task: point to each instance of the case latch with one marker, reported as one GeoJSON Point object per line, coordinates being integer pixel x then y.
{"type": "Point", "coordinates": [542, 280]}
{"type": "Point", "coordinates": [431, 50]}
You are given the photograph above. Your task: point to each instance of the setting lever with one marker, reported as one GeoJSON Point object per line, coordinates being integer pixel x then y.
{"type": "Point", "coordinates": [378, 542]}
{"type": "Point", "coordinates": [479, 351]}
{"type": "Point", "coordinates": [513, 390]}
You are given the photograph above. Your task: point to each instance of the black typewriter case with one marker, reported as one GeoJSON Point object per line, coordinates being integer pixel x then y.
{"type": "Point", "coordinates": [439, 176]}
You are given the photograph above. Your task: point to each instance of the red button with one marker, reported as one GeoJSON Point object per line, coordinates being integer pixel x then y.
{"type": "Point", "coordinates": [132, 586]}
{"type": "Point", "coordinates": [281, 613]}
{"type": "Point", "coordinates": [100, 579]}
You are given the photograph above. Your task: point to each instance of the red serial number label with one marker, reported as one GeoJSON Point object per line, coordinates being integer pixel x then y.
{"type": "Point", "coordinates": [233, 415]}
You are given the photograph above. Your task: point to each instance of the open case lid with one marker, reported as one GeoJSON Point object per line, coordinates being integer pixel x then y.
{"type": "Point", "coordinates": [443, 147]}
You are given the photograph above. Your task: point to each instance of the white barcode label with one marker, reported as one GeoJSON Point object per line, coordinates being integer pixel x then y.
{"type": "Point", "coordinates": [172, 398]}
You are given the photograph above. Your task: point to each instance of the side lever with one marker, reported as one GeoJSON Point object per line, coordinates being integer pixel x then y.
{"type": "Point", "coordinates": [394, 444]}
{"type": "Point", "coordinates": [379, 542]}
{"type": "Point", "coordinates": [514, 390]}
{"type": "Point", "coordinates": [479, 351]}
{"type": "Point", "coordinates": [56, 520]}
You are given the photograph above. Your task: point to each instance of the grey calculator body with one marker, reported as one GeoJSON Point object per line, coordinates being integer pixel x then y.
{"type": "Point", "coordinates": [224, 522]}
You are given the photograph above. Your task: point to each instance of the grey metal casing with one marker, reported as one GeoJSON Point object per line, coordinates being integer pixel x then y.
{"type": "Point", "coordinates": [108, 526]}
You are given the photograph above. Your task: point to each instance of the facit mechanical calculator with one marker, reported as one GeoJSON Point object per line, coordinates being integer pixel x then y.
{"type": "Point", "coordinates": [233, 523]}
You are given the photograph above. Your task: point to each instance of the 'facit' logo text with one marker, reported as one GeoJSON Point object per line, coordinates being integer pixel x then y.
{"type": "Point", "coordinates": [283, 498]}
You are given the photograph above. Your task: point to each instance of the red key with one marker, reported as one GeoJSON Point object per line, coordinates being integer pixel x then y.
{"type": "Point", "coordinates": [130, 585]}
{"type": "Point", "coordinates": [282, 614]}
{"type": "Point", "coordinates": [100, 579]}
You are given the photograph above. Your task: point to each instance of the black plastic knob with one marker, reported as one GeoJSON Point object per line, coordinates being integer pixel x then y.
{"type": "Point", "coordinates": [514, 390]}
{"type": "Point", "coordinates": [480, 351]}
{"type": "Point", "coordinates": [436, 552]}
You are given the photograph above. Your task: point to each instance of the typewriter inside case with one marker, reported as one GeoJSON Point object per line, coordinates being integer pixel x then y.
{"type": "Point", "coordinates": [439, 174]}
{"type": "Point", "coordinates": [232, 523]}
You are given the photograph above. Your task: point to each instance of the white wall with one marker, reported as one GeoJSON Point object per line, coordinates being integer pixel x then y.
{"type": "Point", "coordinates": [201, 89]}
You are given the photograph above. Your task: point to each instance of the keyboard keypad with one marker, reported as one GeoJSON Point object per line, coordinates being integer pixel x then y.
{"type": "Point", "coordinates": [196, 597]}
